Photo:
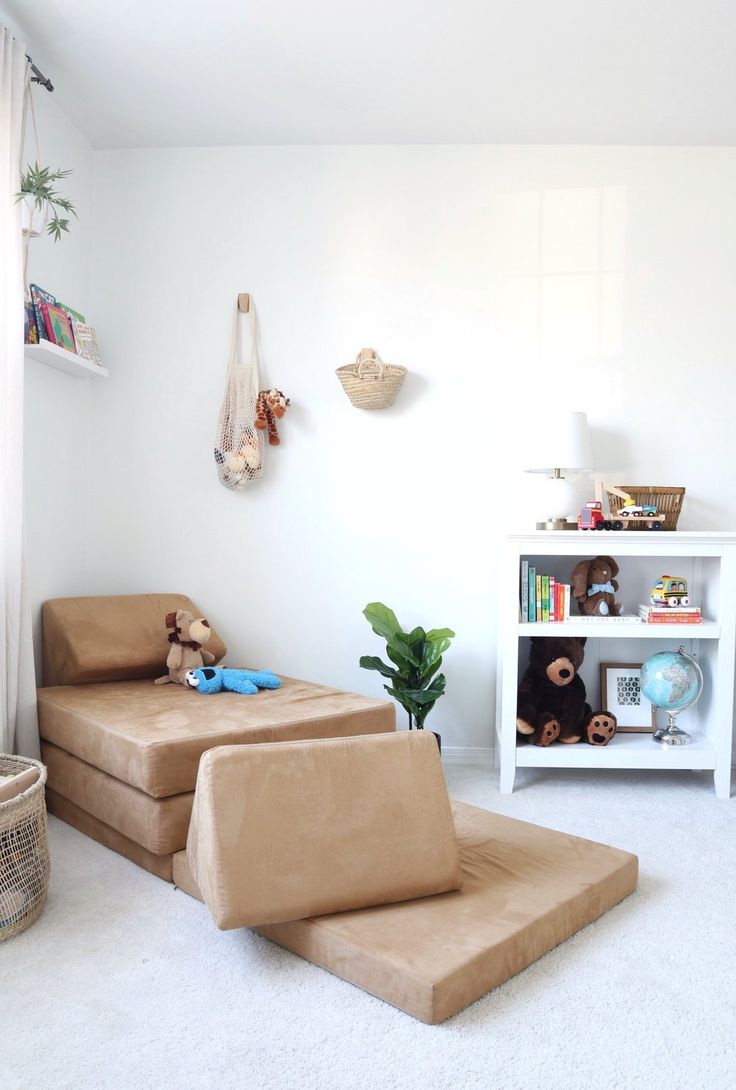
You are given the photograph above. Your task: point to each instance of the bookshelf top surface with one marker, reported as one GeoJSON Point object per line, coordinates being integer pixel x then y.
{"type": "Point", "coordinates": [622, 542]}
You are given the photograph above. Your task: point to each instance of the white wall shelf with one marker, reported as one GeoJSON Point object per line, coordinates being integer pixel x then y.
{"type": "Point", "coordinates": [708, 561]}
{"type": "Point", "coordinates": [62, 360]}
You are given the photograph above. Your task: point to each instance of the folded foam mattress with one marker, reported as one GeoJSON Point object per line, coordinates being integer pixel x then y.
{"type": "Point", "coordinates": [151, 737]}
{"type": "Point", "coordinates": [525, 889]}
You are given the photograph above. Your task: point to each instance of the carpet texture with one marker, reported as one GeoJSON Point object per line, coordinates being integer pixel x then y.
{"type": "Point", "coordinates": [125, 982]}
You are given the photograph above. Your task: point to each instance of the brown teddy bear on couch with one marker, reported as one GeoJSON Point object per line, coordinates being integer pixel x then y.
{"type": "Point", "coordinates": [551, 701]}
{"type": "Point", "coordinates": [186, 637]}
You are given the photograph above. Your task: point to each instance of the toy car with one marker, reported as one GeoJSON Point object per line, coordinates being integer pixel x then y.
{"type": "Point", "coordinates": [632, 510]}
{"type": "Point", "coordinates": [670, 590]}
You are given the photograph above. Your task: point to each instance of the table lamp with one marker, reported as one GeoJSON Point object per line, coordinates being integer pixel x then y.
{"type": "Point", "coordinates": [558, 447]}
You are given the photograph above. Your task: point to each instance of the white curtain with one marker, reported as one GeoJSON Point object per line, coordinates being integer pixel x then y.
{"type": "Point", "coordinates": [18, 724]}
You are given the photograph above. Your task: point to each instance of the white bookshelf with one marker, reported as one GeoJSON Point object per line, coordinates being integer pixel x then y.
{"type": "Point", "coordinates": [63, 360]}
{"type": "Point", "coordinates": [708, 561]}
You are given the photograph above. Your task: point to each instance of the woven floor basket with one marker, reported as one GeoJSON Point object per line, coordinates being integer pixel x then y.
{"type": "Point", "coordinates": [668, 502]}
{"type": "Point", "coordinates": [24, 850]}
{"type": "Point", "coordinates": [369, 382]}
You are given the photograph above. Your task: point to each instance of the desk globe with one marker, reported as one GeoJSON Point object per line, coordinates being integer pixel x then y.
{"type": "Point", "coordinates": [672, 681]}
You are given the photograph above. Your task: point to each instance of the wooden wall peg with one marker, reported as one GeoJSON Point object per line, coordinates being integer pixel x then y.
{"type": "Point", "coordinates": [244, 302]}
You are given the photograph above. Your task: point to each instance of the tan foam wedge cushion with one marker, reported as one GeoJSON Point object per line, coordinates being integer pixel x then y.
{"type": "Point", "coordinates": [281, 832]}
{"type": "Point", "coordinates": [525, 890]}
{"type": "Point", "coordinates": [111, 638]}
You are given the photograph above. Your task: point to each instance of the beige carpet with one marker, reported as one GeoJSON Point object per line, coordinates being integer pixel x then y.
{"type": "Point", "coordinates": [125, 983]}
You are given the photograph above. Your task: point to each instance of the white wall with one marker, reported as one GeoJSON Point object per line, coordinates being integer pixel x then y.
{"type": "Point", "coordinates": [57, 406]}
{"type": "Point", "coordinates": [504, 278]}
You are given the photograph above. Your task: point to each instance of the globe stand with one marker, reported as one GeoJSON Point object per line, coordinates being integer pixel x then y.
{"type": "Point", "coordinates": [672, 735]}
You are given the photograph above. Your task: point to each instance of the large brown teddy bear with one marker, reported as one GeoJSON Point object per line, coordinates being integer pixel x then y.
{"type": "Point", "coordinates": [593, 586]}
{"type": "Point", "coordinates": [186, 637]}
{"type": "Point", "coordinates": [551, 702]}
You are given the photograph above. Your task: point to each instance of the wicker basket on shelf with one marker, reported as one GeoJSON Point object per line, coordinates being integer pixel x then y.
{"type": "Point", "coordinates": [369, 382]}
{"type": "Point", "coordinates": [24, 850]}
{"type": "Point", "coordinates": [668, 502]}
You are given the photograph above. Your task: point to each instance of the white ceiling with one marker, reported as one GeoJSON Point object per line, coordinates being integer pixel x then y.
{"type": "Point", "coordinates": [167, 73]}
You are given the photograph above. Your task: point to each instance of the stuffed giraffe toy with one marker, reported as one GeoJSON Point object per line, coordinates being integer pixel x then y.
{"type": "Point", "coordinates": [270, 407]}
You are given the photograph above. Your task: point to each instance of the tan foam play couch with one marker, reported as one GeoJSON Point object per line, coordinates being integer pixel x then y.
{"type": "Point", "coordinates": [444, 902]}
{"type": "Point", "coordinates": [122, 753]}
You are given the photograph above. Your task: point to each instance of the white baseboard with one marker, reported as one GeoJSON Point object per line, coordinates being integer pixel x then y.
{"type": "Point", "coordinates": [467, 755]}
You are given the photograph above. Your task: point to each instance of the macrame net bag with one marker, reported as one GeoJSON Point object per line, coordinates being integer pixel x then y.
{"type": "Point", "coordinates": [238, 443]}
{"type": "Point", "coordinates": [24, 849]}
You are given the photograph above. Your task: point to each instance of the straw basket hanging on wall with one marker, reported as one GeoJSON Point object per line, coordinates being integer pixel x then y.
{"type": "Point", "coordinates": [24, 850]}
{"type": "Point", "coordinates": [369, 382]}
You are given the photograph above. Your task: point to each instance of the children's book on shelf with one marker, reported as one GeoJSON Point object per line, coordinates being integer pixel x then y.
{"type": "Point", "coordinates": [38, 297]}
{"type": "Point", "coordinates": [86, 339]}
{"type": "Point", "coordinates": [58, 327]}
{"type": "Point", "coordinates": [524, 598]}
{"type": "Point", "coordinates": [670, 614]}
{"type": "Point", "coordinates": [74, 315]}
{"type": "Point", "coordinates": [47, 318]}
{"type": "Point", "coordinates": [30, 329]}
{"type": "Point", "coordinates": [542, 599]}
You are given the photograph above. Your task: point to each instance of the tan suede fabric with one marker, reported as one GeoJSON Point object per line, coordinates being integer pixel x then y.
{"type": "Point", "coordinates": [111, 638]}
{"type": "Point", "coordinates": [152, 736]}
{"type": "Point", "coordinates": [158, 825]}
{"type": "Point", "coordinates": [280, 832]}
{"type": "Point", "coordinates": [74, 815]}
{"type": "Point", "coordinates": [525, 889]}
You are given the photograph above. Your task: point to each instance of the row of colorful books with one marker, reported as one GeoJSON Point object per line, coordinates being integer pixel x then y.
{"type": "Point", "coordinates": [670, 614]}
{"type": "Point", "coordinates": [48, 319]}
{"type": "Point", "coordinates": [542, 598]}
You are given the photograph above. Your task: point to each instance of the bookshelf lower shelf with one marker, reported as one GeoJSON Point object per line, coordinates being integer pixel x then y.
{"type": "Point", "coordinates": [623, 751]}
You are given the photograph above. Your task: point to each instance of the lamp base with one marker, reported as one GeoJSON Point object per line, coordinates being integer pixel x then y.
{"type": "Point", "coordinates": [557, 524]}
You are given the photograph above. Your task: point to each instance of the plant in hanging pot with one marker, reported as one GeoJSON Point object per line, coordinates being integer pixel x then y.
{"type": "Point", "coordinates": [417, 657]}
{"type": "Point", "coordinates": [41, 204]}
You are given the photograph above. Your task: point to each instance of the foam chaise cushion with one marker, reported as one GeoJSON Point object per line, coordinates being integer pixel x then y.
{"type": "Point", "coordinates": [114, 637]}
{"type": "Point", "coordinates": [280, 832]}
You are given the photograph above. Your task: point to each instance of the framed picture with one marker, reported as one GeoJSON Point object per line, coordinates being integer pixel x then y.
{"type": "Point", "coordinates": [621, 694]}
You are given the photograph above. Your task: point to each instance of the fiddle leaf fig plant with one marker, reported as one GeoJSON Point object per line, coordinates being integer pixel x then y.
{"type": "Point", "coordinates": [416, 656]}
{"type": "Point", "coordinates": [37, 186]}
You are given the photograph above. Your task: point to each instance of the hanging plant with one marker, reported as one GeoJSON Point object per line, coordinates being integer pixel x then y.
{"type": "Point", "coordinates": [43, 202]}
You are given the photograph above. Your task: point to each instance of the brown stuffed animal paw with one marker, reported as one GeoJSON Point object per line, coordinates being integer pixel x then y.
{"type": "Point", "coordinates": [600, 728]}
{"type": "Point", "coordinates": [548, 732]}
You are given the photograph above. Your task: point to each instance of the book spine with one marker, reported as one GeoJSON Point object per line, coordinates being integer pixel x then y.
{"type": "Point", "coordinates": [48, 328]}
{"type": "Point", "coordinates": [683, 618]}
{"type": "Point", "coordinates": [552, 599]}
{"type": "Point", "coordinates": [567, 601]}
{"type": "Point", "coordinates": [524, 590]}
{"type": "Point", "coordinates": [539, 599]}
{"type": "Point", "coordinates": [31, 327]}
{"type": "Point", "coordinates": [532, 595]}
{"type": "Point", "coordinates": [545, 599]}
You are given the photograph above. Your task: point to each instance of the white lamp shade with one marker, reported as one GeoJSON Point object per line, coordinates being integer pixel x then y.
{"type": "Point", "coordinates": [561, 441]}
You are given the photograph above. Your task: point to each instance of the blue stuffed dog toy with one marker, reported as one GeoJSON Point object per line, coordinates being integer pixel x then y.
{"type": "Point", "coordinates": [218, 679]}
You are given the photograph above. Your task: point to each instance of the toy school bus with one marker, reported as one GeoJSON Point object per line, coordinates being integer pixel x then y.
{"type": "Point", "coordinates": [670, 590]}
